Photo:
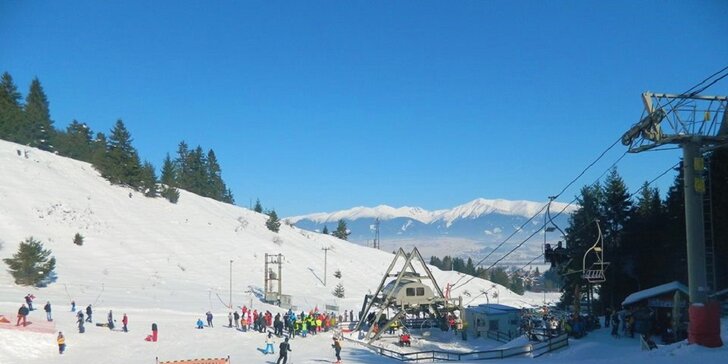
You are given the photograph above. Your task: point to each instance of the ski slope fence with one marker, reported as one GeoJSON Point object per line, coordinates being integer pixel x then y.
{"type": "Point", "coordinates": [533, 349]}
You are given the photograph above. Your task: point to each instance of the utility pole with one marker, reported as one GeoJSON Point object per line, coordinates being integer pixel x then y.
{"type": "Point", "coordinates": [376, 234]}
{"type": "Point", "coordinates": [231, 284]}
{"type": "Point", "coordinates": [694, 123]}
{"type": "Point", "coordinates": [326, 252]}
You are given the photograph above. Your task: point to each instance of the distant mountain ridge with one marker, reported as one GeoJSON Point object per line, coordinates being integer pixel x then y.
{"type": "Point", "coordinates": [472, 210]}
{"type": "Point", "coordinates": [472, 229]}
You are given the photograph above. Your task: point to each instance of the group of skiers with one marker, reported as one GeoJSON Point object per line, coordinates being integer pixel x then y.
{"type": "Point", "coordinates": [27, 307]}
{"type": "Point", "coordinates": [287, 325]}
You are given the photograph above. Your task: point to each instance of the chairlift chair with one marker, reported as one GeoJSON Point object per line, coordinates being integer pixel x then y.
{"type": "Point", "coordinates": [595, 273]}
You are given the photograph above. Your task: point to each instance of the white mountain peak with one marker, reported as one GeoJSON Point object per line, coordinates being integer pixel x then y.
{"type": "Point", "coordinates": [469, 210]}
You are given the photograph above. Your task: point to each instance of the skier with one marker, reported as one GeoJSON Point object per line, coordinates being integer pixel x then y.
{"type": "Point", "coordinates": [284, 348]}
{"type": "Point", "coordinates": [29, 301]}
{"type": "Point", "coordinates": [615, 324]}
{"type": "Point", "coordinates": [200, 324]}
{"type": "Point", "coordinates": [230, 319]}
{"type": "Point", "coordinates": [22, 314]}
{"type": "Point", "coordinates": [337, 349]}
{"type": "Point", "coordinates": [236, 317]}
{"type": "Point", "coordinates": [110, 319]}
{"type": "Point", "coordinates": [80, 321]}
{"type": "Point", "coordinates": [47, 309]}
{"type": "Point", "coordinates": [61, 343]}
{"type": "Point", "coordinates": [73, 306]}
{"type": "Point", "coordinates": [269, 345]}
{"type": "Point", "coordinates": [88, 313]}
{"type": "Point", "coordinates": [209, 318]}
{"type": "Point", "coordinates": [125, 321]}
{"type": "Point", "coordinates": [154, 332]}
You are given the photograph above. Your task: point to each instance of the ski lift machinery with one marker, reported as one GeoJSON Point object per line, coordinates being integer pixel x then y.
{"type": "Point", "coordinates": [403, 292]}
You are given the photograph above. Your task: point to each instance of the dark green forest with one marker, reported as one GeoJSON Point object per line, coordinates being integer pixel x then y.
{"type": "Point", "coordinates": [29, 122]}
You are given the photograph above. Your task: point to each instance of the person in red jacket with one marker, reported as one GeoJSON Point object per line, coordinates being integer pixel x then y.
{"type": "Point", "coordinates": [124, 322]}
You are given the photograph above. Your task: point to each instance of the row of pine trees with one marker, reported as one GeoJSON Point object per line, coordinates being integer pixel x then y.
{"type": "Point", "coordinates": [29, 122]}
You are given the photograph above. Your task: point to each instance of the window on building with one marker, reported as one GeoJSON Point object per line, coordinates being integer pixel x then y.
{"type": "Point", "coordinates": [420, 291]}
{"type": "Point", "coordinates": [410, 292]}
{"type": "Point", "coordinates": [493, 325]}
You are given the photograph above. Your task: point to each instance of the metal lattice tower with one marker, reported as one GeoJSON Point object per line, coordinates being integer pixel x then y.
{"type": "Point", "coordinates": [697, 124]}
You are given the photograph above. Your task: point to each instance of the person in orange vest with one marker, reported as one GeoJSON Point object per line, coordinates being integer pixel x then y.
{"type": "Point", "coordinates": [61, 343]}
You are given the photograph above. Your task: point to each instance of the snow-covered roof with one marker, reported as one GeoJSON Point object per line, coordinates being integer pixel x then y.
{"type": "Point", "coordinates": [493, 309]}
{"type": "Point", "coordinates": [655, 291]}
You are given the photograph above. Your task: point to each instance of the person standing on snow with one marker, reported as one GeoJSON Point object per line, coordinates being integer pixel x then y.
{"type": "Point", "coordinates": [22, 314]}
{"type": "Point", "coordinates": [337, 349]}
{"type": "Point", "coordinates": [88, 313]}
{"type": "Point", "coordinates": [125, 321]}
{"type": "Point", "coordinates": [236, 317]}
{"type": "Point", "coordinates": [61, 340]}
{"type": "Point", "coordinates": [209, 318]}
{"type": "Point", "coordinates": [29, 301]}
{"type": "Point", "coordinates": [230, 319]}
{"type": "Point", "coordinates": [284, 348]}
{"type": "Point", "coordinates": [110, 319]}
{"type": "Point", "coordinates": [269, 345]}
{"type": "Point", "coordinates": [47, 309]}
{"type": "Point", "coordinates": [80, 322]}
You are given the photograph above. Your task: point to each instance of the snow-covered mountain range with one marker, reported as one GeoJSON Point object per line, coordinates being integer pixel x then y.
{"type": "Point", "coordinates": [471, 229]}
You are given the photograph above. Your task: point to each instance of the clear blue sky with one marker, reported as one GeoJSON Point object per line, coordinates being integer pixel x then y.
{"type": "Point", "coordinates": [325, 105]}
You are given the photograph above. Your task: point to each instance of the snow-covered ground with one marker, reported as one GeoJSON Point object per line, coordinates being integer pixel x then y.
{"type": "Point", "coordinates": [169, 263]}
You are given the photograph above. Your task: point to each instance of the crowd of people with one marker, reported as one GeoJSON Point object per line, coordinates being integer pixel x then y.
{"type": "Point", "coordinates": [82, 317]}
{"type": "Point", "coordinates": [286, 326]}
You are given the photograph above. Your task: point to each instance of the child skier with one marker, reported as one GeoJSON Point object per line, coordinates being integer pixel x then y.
{"type": "Point", "coordinates": [61, 343]}
{"type": "Point", "coordinates": [337, 349]}
{"type": "Point", "coordinates": [269, 345]}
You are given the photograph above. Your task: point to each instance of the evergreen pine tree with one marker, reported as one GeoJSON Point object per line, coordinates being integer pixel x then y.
{"type": "Point", "coordinates": [32, 264]}
{"type": "Point", "coordinates": [11, 110]}
{"type": "Point", "coordinates": [37, 128]}
{"type": "Point", "coordinates": [76, 142]}
{"type": "Point", "coordinates": [98, 151]}
{"type": "Point", "coordinates": [258, 207]}
{"type": "Point", "coordinates": [516, 285]}
{"type": "Point", "coordinates": [617, 212]}
{"type": "Point", "coordinates": [273, 224]}
{"type": "Point", "coordinates": [169, 180]}
{"type": "Point", "coordinates": [148, 184]}
{"type": "Point", "coordinates": [341, 231]}
{"type": "Point", "coordinates": [326, 230]}
{"type": "Point", "coordinates": [580, 235]}
{"type": "Point", "coordinates": [78, 239]}
{"type": "Point", "coordinates": [216, 186]}
{"type": "Point", "coordinates": [498, 275]}
{"type": "Point", "coordinates": [121, 164]}
{"type": "Point", "coordinates": [339, 291]}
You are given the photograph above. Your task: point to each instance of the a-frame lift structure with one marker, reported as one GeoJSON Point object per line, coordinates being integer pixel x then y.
{"type": "Point", "coordinates": [406, 294]}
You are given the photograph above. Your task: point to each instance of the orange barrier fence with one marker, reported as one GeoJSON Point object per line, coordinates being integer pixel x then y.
{"type": "Point", "coordinates": [197, 361]}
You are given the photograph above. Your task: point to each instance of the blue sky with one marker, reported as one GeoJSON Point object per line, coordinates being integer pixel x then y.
{"type": "Point", "coordinates": [325, 105]}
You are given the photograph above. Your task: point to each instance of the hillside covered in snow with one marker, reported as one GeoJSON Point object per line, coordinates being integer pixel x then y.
{"type": "Point", "coordinates": [152, 258]}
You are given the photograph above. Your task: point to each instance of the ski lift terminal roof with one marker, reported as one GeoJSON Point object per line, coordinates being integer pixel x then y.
{"type": "Point", "coordinates": [493, 309]}
{"type": "Point", "coordinates": [655, 291]}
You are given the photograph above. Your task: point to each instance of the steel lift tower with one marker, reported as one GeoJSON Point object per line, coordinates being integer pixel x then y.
{"type": "Point", "coordinates": [697, 124]}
